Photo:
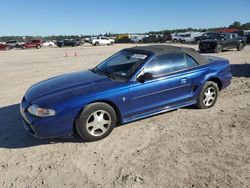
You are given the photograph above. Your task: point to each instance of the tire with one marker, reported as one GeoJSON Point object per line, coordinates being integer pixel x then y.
{"type": "Point", "coordinates": [90, 127]}
{"type": "Point", "coordinates": [240, 46]}
{"type": "Point", "coordinates": [218, 48]}
{"type": "Point", "coordinates": [7, 48]}
{"type": "Point", "coordinates": [198, 41]}
{"type": "Point", "coordinates": [96, 44]}
{"type": "Point", "coordinates": [50, 46]}
{"type": "Point", "coordinates": [111, 43]}
{"type": "Point", "coordinates": [175, 40]}
{"type": "Point", "coordinates": [38, 46]}
{"type": "Point", "coordinates": [24, 47]}
{"type": "Point", "coordinates": [208, 99]}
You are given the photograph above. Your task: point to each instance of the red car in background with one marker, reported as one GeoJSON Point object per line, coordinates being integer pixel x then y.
{"type": "Point", "coordinates": [5, 47]}
{"type": "Point", "coordinates": [32, 44]}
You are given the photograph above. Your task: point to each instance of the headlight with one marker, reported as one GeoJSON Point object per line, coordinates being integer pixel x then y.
{"type": "Point", "coordinates": [40, 112]}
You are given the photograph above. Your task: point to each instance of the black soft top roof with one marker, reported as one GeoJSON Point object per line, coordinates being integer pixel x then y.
{"type": "Point", "coordinates": [160, 50]}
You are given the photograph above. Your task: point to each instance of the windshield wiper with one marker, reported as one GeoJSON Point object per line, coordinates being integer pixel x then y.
{"type": "Point", "coordinates": [105, 72]}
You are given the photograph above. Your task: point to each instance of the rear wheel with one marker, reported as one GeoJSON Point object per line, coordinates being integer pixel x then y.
{"type": "Point", "coordinates": [97, 44]}
{"type": "Point", "coordinates": [208, 95]}
{"type": "Point", "coordinates": [240, 46]}
{"type": "Point", "coordinates": [96, 121]}
{"type": "Point", "coordinates": [218, 48]}
{"type": "Point", "coordinates": [38, 46]}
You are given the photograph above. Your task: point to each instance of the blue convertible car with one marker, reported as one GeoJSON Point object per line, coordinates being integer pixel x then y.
{"type": "Point", "coordinates": [132, 84]}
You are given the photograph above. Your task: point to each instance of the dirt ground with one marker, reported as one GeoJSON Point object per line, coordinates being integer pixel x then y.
{"type": "Point", "coordinates": [182, 148]}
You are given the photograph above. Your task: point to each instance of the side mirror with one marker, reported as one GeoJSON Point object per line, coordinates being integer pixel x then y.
{"type": "Point", "coordinates": [144, 77]}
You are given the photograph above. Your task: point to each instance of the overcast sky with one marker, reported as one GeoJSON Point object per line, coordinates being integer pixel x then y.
{"type": "Point", "coordinates": [48, 17]}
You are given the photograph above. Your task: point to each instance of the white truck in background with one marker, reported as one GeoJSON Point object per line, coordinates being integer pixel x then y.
{"type": "Point", "coordinates": [101, 41]}
{"type": "Point", "coordinates": [187, 37]}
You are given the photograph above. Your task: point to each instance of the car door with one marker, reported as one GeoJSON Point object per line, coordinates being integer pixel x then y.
{"type": "Point", "coordinates": [226, 41]}
{"type": "Point", "coordinates": [235, 39]}
{"type": "Point", "coordinates": [104, 40]}
{"type": "Point", "coordinates": [171, 86]}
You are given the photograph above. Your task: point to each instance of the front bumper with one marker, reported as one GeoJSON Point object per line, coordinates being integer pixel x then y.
{"type": "Point", "coordinates": [206, 47]}
{"type": "Point", "coordinates": [46, 127]}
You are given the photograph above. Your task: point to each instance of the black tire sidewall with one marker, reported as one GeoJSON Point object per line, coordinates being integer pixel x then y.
{"type": "Point", "coordinates": [86, 112]}
{"type": "Point", "coordinates": [200, 103]}
{"type": "Point", "coordinates": [240, 46]}
{"type": "Point", "coordinates": [218, 48]}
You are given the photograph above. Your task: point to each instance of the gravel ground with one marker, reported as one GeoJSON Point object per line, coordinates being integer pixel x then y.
{"type": "Point", "coordinates": [182, 148]}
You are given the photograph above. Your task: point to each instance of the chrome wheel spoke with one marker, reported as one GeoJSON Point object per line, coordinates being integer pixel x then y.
{"type": "Point", "coordinates": [98, 123]}
{"type": "Point", "coordinates": [209, 96]}
{"type": "Point", "coordinates": [104, 129]}
{"type": "Point", "coordinates": [105, 122]}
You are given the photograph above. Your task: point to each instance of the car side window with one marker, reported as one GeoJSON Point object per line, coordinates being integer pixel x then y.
{"type": "Point", "coordinates": [234, 35]}
{"type": "Point", "coordinates": [166, 64]}
{"type": "Point", "coordinates": [190, 61]}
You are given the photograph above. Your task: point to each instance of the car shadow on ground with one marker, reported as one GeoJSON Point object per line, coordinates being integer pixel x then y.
{"type": "Point", "coordinates": [240, 70]}
{"type": "Point", "coordinates": [13, 135]}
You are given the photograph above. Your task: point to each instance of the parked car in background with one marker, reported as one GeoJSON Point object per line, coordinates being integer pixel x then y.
{"type": "Point", "coordinates": [132, 84]}
{"type": "Point", "coordinates": [176, 37]}
{"type": "Point", "coordinates": [124, 38]}
{"type": "Point", "coordinates": [207, 35]}
{"type": "Point", "coordinates": [5, 46]}
{"type": "Point", "coordinates": [14, 43]}
{"type": "Point", "coordinates": [225, 41]}
{"type": "Point", "coordinates": [80, 42]}
{"type": "Point", "coordinates": [101, 41]}
{"type": "Point", "coordinates": [48, 44]}
{"type": "Point", "coordinates": [189, 37]}
{"type": "Point", "coordinates": [32, 44]}
{"type": "Point", "coordinates": [248, 38]}
{"type": "Point", "coordinates": [68, 42]}
{"type": "Point", "coordinates": [137, 38]}
{"type": "Point", "coordinates": [155, 39]}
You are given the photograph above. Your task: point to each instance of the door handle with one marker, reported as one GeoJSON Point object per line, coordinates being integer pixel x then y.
{"type": "Point", "coordinates": [183, 80]}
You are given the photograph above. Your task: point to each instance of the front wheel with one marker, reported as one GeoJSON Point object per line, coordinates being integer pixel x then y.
{"type": "Point", "coordinates": [96, 121]}
{"type": "Point", "coordinates": [208, 95]}
{"type": "Point", "coordinates": [218, 48]}
{"type": "Point", "coordinates": [240, 46]}
{"type": "Point", "coordinates": [198, 41]}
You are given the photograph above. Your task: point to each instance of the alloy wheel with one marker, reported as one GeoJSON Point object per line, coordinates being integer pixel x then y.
{"type": "Point", "coordinates": [98, 123]}
{"type": "Point", "coordinates": [209, 96]}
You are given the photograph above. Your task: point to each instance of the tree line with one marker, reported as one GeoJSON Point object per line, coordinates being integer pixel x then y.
{"type": "Point", "coordinates": [235, 25]}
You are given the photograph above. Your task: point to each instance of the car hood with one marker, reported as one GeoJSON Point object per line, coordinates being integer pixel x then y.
{"type": "Point", "coordinates": [86, 81]}
{"type": "Point", "coordinates": [210, 40]}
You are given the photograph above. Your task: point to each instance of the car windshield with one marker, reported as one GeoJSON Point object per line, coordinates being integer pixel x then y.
{"type": "Point", "coordinates": [121, 65]}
